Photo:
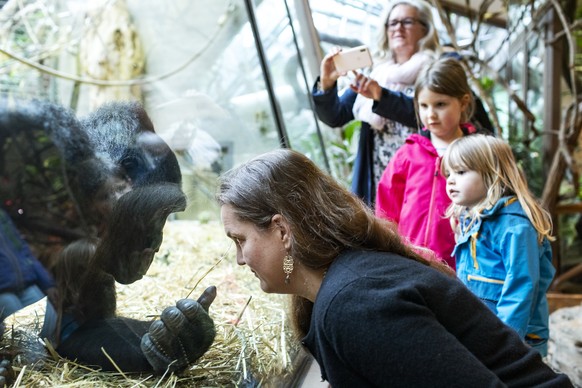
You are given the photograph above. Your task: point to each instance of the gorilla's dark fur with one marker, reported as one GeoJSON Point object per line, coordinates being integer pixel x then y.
{"type": "Point", "coordinates": [103, 187]}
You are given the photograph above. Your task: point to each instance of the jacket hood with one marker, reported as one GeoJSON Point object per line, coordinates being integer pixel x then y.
{"type": "Point", "coordinates": [506, 205]}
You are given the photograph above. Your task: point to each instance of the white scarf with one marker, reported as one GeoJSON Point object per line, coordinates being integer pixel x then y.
{"type": "Point", "coordinates": [393, 76]}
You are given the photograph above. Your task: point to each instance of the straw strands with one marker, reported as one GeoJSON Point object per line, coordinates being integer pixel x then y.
{"type": "Point", "coordinates": [253, 345]}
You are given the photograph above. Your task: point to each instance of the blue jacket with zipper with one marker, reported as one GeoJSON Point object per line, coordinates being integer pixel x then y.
{"type": "Point", "coordinates": [500, 259]}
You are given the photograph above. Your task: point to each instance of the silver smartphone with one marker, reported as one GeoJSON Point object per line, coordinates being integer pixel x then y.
{"type": "Point", "coordinates": [351, 59]}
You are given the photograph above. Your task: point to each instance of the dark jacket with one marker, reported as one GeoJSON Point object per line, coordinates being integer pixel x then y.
{"type": "Point", "coordinates": [19, 267]}
{"type": "Point", "coordinates": [336, 111]}
{"type": "Point", "coordinates": [382, 320]}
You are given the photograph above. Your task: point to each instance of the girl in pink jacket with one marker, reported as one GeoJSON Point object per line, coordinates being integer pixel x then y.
{"type": "Point", "coordinates": [412, 191]}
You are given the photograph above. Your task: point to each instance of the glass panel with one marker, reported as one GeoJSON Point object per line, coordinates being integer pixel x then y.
{"type": "Point", "coordinates": [347, 23]}
{"type": "Point", "coordinates": [195, 67]}
{"type": "Point", "coordinates": [199, 72]}
{"type": "Point", "coordinates": [215, 111]}
{"type": "Point", "coordinates": [282, 42]}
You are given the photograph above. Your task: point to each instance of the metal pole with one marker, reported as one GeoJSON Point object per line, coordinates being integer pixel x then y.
{"type": "Point", "coordinates": [284, 139]}
{"type": "Point", "coordinates": [307, 86]}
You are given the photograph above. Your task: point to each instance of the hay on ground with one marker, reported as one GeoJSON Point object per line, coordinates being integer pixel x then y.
{"type": "Point", "coordinates": [253, 345]}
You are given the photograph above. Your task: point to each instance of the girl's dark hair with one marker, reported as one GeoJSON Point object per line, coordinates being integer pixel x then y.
{"type": "Point", "coordinates": [446, 76]}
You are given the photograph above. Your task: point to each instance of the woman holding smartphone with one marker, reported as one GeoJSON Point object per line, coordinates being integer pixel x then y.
{"type": "Point", "coordinates": [407, 42]}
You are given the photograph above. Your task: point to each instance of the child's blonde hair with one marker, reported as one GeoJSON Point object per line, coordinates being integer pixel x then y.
{"type": "Point", "coordinates": [446, 76]}
{"type": "Point", "coordinates": [493, 159]}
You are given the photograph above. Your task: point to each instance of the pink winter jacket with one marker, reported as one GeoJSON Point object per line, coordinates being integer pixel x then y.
{"type": "Point", "coordinates": [412, 193]}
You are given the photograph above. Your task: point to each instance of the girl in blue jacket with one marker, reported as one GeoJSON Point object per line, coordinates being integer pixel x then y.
{"type": "Point", "coordinates": [502, 250]}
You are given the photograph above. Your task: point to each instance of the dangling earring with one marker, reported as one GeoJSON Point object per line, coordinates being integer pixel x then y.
{"type": "Point", "coordinates": [287, 267]}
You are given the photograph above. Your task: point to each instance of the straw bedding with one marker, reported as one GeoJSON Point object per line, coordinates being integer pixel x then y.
{"type": "Point", "coordinates": [253, 346]}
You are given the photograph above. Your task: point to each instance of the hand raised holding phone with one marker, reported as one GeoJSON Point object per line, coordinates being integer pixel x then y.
{"type": "Point", "coordinates": [338, 62]}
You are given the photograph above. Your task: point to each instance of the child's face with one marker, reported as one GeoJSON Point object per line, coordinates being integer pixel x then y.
{"type": "Point", "coordinates": [465, 187]}
{"type": "Point", "coordinates": [441, 114]}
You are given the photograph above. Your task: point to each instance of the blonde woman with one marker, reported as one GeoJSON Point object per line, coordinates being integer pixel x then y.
{"type": "Point", "coordinates": [407, 42]}
{"type": "Point", "coordinates": [502, 252]}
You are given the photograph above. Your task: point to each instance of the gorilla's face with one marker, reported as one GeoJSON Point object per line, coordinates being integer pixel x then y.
{"type": "Point", "coordinates": [135, 230]}
{"type": "Point", "coordinates": [142, 255]}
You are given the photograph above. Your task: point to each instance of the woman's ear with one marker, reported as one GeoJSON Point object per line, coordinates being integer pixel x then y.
{"type": "Point", "coordinates": [281, 226]}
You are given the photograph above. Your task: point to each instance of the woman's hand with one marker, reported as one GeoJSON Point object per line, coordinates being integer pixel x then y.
{"type": "Point", "coordinates": [365, 86]}
{"type": "Point", "coordinates": [328, 72]}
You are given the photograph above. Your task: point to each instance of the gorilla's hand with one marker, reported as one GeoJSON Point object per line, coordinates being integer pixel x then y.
{"type": "Point", "coordinates": [182, 334]}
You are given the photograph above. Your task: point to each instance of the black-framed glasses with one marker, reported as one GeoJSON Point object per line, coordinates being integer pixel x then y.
{"type": "Point", "coordinates": [407, 23]}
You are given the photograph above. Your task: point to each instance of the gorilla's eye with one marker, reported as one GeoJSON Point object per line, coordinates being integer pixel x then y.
{"type": "Point", "coordinates": [129, 163]}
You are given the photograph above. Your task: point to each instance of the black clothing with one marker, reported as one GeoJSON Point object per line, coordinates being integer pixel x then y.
{"type": "Point", "coordinates": [383, 320]}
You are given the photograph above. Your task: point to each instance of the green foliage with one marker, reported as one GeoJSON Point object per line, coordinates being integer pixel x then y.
{"type": "Point", "coordinates": [340, 146]}
{"type": "Point", "coordinates": [487, 83]}
{"type": "Point", "coordinates": [350, 129]}
{"type": "Point", "coordinates": [343, 151]}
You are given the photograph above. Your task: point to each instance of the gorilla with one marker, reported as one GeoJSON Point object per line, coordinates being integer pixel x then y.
{"type": "Point", "coordinates": [95, 193]}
